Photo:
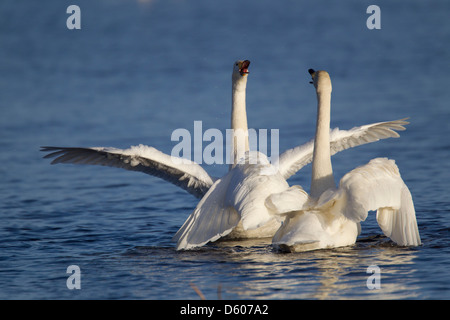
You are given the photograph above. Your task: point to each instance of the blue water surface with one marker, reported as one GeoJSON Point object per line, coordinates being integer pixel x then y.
{"type": "Point", "coordinates": [138, 70]}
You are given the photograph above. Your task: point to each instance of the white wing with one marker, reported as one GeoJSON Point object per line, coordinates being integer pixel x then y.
{"type": "Point", "coordinates": [379, 186]}
{"type": "Point", "coordinates": [294, 159]}
{"type": "Point", "coordinates": [184, 173]}
{"type": "Point", "coordinates": [212, 219]}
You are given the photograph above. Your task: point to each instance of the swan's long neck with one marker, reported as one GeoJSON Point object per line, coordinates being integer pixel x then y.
{"type": "Point", "coordinates": [240, 143]}
{"type": "Point", "coordinates": [322, 171]}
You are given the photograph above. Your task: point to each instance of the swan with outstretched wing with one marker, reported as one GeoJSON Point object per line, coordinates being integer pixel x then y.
{"type": "Point", "coordinates": [329, 216]}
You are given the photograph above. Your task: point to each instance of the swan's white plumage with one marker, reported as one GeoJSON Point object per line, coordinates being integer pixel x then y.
{"type": "Point", "coordinates": [310, 230]}
{"type": "Point", "coordinates": [369, 187]}
{"type": "Point", "coordinates": [235, 205]}
{"type": "Point", "coordinates": [400, 224]}
{"type": "Point", "coordinates": [379, 186]}
{"type": "Point", "coordinates": [212, 219]}
{"type": "Point", "coordinates": [333, 220]}
{"type": "Point", "coordinates": [331, 217]}
{"type": "Point", "coordinates": [291, 199]}
{"type": "Point", "coordinates": [181, 172]}
{"type": "Point", "coordinates": [253, 180]}
{"type": "Point", "coordinates": [294, 159]}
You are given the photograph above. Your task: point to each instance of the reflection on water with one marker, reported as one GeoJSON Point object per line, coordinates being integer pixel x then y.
{"type": "Point", "coordinates": [327, 274]}
{"type": "Point", "coordinates": [253, 270]}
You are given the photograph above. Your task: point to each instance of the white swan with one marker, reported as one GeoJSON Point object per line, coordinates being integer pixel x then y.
{"type": "Point", "coordinates": [330, 216]}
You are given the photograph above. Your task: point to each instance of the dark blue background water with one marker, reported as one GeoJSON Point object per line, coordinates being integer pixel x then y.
{"type": "Point", "coordinates": [137, 70]}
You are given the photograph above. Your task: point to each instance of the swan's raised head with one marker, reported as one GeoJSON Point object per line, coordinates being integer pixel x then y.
{"type": "Point", "coordinates": [240, 68]}
{"type": "Point", "coordinates": [321, 80]}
